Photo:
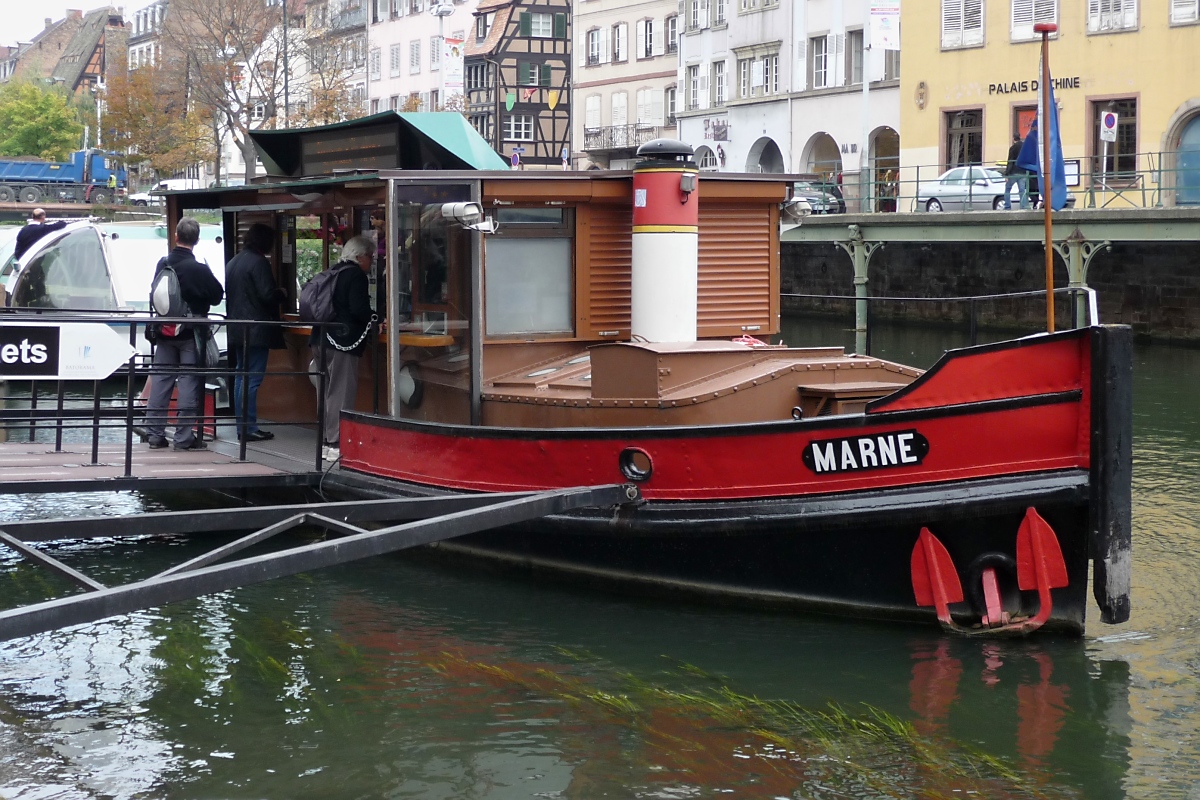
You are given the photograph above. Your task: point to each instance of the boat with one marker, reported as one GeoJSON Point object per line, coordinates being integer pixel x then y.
{"type": "Point", "coordinates": [546, 330]}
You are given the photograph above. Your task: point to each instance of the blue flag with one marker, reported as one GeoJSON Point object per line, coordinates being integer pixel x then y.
{"type": "Point", "coordinates": [1030, 157]}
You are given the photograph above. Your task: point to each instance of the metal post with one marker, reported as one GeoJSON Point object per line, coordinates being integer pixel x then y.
{"type": "Point", "coordinates": [865, 178]}
{"type": "Point", "coordinates": [286, 102]}
{"type": "Point", "coordinates": [58, 433]}
{"type": "Point", "coordinates": [241, 423]}
{"type": "Point", "coordinates": [973, 324]}
{"type": "Point", "coordinates": [129, 382]}
{"type": "Point", "coordinates": [393, 300]}
{"type": "Point", "coordinates": [33, 395]}
{"type": "Point", "coordinates": [322, 360]}
{"type": "Point", "coordinates": [95, 423]}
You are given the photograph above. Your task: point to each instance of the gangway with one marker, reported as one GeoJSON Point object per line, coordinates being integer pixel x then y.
{"type": "Point", "coordinates": [427, 520]}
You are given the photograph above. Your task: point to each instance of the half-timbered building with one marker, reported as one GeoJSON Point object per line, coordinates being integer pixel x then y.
{"type": "Point", "coordinates": [518, 79]}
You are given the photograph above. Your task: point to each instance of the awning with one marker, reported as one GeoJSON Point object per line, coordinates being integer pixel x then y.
{"type": "Point", "coordinates": [416, 141]}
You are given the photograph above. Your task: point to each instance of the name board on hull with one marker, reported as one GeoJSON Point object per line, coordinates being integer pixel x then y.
{"type": "Point", "coordinates": [859, 453]}
{"type": "Point", "coordinates": [69, 351]}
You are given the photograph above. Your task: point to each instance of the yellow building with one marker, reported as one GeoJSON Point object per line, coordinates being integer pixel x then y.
{"type": "Point", "coordinates": [969, 85]}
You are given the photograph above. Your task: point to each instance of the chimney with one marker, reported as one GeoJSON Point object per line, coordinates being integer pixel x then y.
{"type": "Point", "coordinates": [49, 22]}
{"type": "Point", "coordinates": [74, 13]}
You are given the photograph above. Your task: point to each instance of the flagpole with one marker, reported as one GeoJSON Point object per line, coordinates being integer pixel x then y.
{"type": "Point", "coordinates": [1045, 29]}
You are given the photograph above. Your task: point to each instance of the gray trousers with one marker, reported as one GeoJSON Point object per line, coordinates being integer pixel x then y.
{"type": "Point", "coordinates": [169, 354]}
{"type": "Point", "coordinates": [341, 388]}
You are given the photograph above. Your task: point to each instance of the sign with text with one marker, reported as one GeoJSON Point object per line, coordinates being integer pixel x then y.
{"type": "Point", "coordinates": [70, 351]}
{"type": "Point", "coordinates": [885, 24]}
{"type": "Point", "coordinates": [1108, 127]}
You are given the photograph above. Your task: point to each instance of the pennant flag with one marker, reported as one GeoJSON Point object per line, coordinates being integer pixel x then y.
{"type": "Point", "coordinates": [526, 94]}
{"type": "Point", "coordinates": [510, 100]}
{"type": "Point", "coordinates": [552, 99]}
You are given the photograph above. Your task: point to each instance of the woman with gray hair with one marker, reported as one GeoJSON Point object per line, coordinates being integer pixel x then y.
{"type": "Point", "coordinates": [345, 341]}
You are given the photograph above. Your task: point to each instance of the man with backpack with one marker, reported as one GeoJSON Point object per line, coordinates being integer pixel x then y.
{"type": "Point", "coordinates": [340, 295]}
{"type": "Point", "coordinates": [192, 285]}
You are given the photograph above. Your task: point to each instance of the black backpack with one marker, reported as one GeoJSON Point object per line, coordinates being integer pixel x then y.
{"type": "Point", "coordinates": [316, 298]}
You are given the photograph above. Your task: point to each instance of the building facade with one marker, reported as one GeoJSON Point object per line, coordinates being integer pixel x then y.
{"type": "Point", "coordinates": [36, 60]}
{"type": "Point", "coordinates": [404, 61]}
{"type": "Point", "coordinates": [970, 86]}
{"type": "Point", "coordinates": [518, 78]}
{"type": "Point", "coordinates": [625, 86]}
{"type": "Point", "coordinates": [769, 86]}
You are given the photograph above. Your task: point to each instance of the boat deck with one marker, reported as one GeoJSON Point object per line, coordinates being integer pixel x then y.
{"type": "Point", "coordinates": [287, 460]}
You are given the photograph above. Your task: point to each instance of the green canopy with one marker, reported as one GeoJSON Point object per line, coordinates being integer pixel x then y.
{"type": "Point", "coordinates": [419, 141]}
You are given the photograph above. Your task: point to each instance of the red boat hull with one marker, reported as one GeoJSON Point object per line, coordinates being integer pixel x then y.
{"type": "Point", "coordinates": [825, 511]}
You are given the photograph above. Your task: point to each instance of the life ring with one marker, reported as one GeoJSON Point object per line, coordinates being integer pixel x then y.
{"type": "Point", "coordinates": [750, 341]}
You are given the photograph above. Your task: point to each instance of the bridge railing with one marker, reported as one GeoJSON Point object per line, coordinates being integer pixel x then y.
{"type": "Point", "coordinates": [114, 409]}
{"type": "Point", "coordinates": [1075, 307]}
{"type": "Point", "coordinates": [1128, 180]}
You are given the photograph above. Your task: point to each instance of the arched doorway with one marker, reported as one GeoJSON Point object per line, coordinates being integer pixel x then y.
{"type": "Point", "coordinates": [822, 156]}
{"type": "Point", "coordinates": [1187, 176]}
{"type": "Point", "coordinates": [765, 156]}
{"type": "Point", "coordinates": [885, 166]}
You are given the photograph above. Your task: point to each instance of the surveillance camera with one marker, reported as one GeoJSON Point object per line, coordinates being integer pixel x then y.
{"type": "Point", "coordinates": [796, 209]}
{"type": "Point", "coordinates": [463, 213]}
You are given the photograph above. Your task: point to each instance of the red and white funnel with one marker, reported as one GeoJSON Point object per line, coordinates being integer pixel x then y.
{"type": "Point", "coordinates": [665, 242]}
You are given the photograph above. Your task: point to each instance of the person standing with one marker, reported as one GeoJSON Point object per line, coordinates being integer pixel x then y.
{"type": "Point", "coordinates": [251, 293]}
{"type": "Point", "coordinates": [352, 317]}
{"type": "Point", "coordinates": [36, 229]}
{"type": "Point", "coordinates": [1015, 176]}
{"type": "Point", "coordinates": [200, 290]}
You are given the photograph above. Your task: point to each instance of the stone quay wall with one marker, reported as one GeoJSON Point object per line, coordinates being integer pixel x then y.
{"type": "Point", "coordinates": [1155, 288]}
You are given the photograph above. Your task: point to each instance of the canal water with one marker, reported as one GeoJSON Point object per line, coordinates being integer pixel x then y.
{"type": "Point", "coordinates": [404, 677]}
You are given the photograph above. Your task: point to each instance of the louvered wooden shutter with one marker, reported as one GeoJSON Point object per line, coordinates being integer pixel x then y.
{"type": "Point", "coordinates": [737, 268]}
{"type": "Point", "coordinates": [545, 75]}
{"type": "Point", "coordinates": [1185, 10]}
{"type": "Point", "coordinates": [972, 24]}
{"type": "Point", "coordinates": [560, 26]}
{"type": "Point", "coordinates": [525, 24]}
{"type": "Point", "coordinates": [610, 254]}
{"type": "Point", "coordinates": [952, 19]}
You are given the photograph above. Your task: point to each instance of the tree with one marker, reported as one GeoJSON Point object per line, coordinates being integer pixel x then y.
{"type": "Point", "coordinates": [148, 115]}
{"type": "Point", "coordinates": [37, 122]}
{"type": "Point", "coordinates": [224, 50]}
{"type": "Point", "coordinates": [328, 65]}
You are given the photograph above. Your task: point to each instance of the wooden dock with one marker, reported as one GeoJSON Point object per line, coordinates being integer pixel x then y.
{"type": "Point", "coordinates": [36, 467]}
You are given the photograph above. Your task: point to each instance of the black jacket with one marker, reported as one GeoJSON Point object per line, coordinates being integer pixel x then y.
{"type": "Point", "coordinates": [1013, 153]}
{"type": "Point", "coordinates": [198, 286]}
{"type": "Point", "coordinates": [351, 307]}
{"type": "Point", "coordinates": [251, 293]}
{"type": "Point", "coordinates": [27, 236]}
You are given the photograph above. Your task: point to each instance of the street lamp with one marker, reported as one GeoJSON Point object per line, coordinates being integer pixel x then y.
{"type": "Point", "coordinates": [441, 11]}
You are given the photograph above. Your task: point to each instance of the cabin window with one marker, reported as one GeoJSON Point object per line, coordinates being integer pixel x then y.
{"type": "Point", "coordinates": [71, 274]}
{"type": "Point", "coordinates": [528, 273]}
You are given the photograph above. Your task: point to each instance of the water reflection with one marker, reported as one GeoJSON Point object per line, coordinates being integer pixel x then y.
{"type": "Point", "coordinates": [409, 677]}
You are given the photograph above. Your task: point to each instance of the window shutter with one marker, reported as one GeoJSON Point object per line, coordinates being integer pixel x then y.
{"type": "Point", "coordinates": [623, 41]}
{"type": "Point", "coordinates": [657, 117]}
{"type": "Point", "coordinates": [658, 43]}
{"type": "Point", "coordinates": [972, 27]}
{"type": "Point", "coordinates": [582, 47]}
{"type": "Point", "coordinates": [703, 21]}
{"type": "Point", "coordinates": [1185, 10]}
{"type": "Point", "coordinates": [952, 23]}
{"type": "Point", "coordinates": [592, 117]}
{"type": "Point", "coordinates": [800, 74]}
{"type": "Point", "coordinates": [524, 24]}
{"type": "Point", "coordinates": [604, 34]}
{"type": "Point", "coordinates": [524, 73]}
{"type": "Point", "coordinates": [640, 39]}
{"type": "Point", "coordinates": [1024, 14]}
{"type": "Point", "coordinates": [545, 75]}
{"type": "Point", "coordinates": [702, 93]}
{"type": "Point", "coordinates": [1129, 18]}
{"type": "Point", "coordinates": [560, 26]}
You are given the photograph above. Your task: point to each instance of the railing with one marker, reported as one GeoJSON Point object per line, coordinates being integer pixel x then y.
{"type": "Point", "coordinates": [1138, 180]}
{"type": "Point", "coordinates": [619, 137]}
{"type": "Point", "coordinates": [86, 410]}
{"type": "Point", "coordinates": [1082, 307]}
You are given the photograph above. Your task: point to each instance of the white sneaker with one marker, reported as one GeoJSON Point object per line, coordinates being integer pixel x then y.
{"type": "Point", "coordinates": [331, 453]}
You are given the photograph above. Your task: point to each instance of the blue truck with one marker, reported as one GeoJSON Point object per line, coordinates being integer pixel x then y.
{"type": "Point", "coordinates": [83, 179]}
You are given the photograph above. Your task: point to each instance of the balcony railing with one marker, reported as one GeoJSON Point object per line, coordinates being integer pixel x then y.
{"type": "Point", "coordinates": [349, 18]}
{"type": "Point", "coordinates": [619, 137]}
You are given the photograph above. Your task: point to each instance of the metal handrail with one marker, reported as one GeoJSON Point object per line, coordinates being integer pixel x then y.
{"type": "Point", "coordinates": [99, 417]}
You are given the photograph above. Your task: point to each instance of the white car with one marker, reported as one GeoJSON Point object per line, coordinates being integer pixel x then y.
{"type": "Point", "coordinates": [145, 199]}
{"type": "Point", "coordinates": [962, 189]}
